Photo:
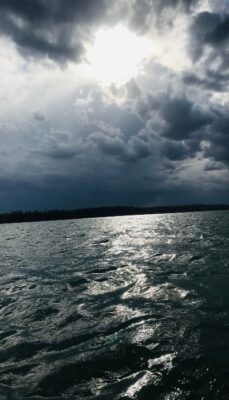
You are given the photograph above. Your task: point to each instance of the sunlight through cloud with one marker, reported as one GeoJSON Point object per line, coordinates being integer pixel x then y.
{"type": "Point", "coordinates": [117, 55]}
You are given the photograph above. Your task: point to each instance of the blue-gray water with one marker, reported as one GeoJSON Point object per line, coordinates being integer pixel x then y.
{"type": "Point", "coordinates": [116, 308]}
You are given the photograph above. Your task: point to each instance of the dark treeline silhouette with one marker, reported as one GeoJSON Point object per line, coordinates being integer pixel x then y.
{"type": "Point", "coordinates": [31, 216]}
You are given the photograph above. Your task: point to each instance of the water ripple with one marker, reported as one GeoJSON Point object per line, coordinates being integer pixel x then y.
{"type": "Point", "coordinates": [115, 308]}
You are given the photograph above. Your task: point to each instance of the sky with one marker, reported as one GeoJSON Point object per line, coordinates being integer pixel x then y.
{"type": "Point", "coordinates": [113, 102]}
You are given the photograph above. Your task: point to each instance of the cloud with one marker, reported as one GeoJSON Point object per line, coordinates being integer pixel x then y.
{"type": "Point", "coordinates": [108, 145]}
{"type": "Point", "coordinates": [183, 118]}
{"type": "Point", "coordinates": [212, 81]}
{"type": "Point", "coordinates": [58, 144]}
{"type": "Point", "coordinates": [213, 166]}
{"type": "Point", "coordinates": [208, 29]}
{"type": "Point", "coordinates": [174, 116]}
{"type": "Point", "coordinates": [37, 11]}
{"type": "Point", "coordinates": [38, 116]}
{"type": "Point", "coordinates": [132, 150]}
{"type": "Point", "coordinates": [177, 151]}
{"type": "Point", "coordinates": [144, 14]}
{"type": "Point", "coordinates": [56, 29]}
{"type": "Point", "coordinates": [217, 147]}
{"type": "Point", "coordinates": [137, 149]}
{"type": "Point", "coordinates": [60, 29]}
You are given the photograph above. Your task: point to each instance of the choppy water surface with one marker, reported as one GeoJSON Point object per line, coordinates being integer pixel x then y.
{"type": "Point", "coordinates": [116, 308]}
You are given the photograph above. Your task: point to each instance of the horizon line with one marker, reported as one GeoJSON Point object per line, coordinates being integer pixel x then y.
{"type": "Point", "coordinates": [18, 216]}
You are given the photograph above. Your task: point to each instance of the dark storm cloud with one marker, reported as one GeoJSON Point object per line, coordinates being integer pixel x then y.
{"type": "Point", "coordinates": [212, 81]}
{"type": "Point", "coordinates": [59, 45]}
{"type": "Point", "coordinates": [177, 151]}
{"type": "Point", "coordinates": [109, 145]}
{"type": "Point", "coordinates": [131, 150]}
{"type": "Point", "coordinates": [180, 116]}
{"type": "Point", "coordinates": [43, 11]}
{"type": "Point", "coordinates": [54, 28]}
{"type": "Point", "coordinates": [218, 149]}
{"type": "Point", "coordinates": [218, 139]}
{"type": "Point", "coordinates": [32, 10]}
{"type": "Point", "coordinates": [209, 29]}
{"type": "Point", "coordinates": [220, 33]}
{"type": "Point", "coordinates": [183, 118]}
{"type": "Point", "coordinates": [137, 149]}
{"type": "Point", "coordinates": [181, 126]}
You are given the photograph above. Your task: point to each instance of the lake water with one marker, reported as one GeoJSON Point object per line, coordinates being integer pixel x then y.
{"type": "Point", "coordinates": [130, 307]}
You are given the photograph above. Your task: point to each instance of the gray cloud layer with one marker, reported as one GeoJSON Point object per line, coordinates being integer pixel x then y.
{"type": "Point", "coordinates": [166, 140]}
{"type": "Point", "coordinates": [59, 28]}
{"type": "Point", "coordinates": [53, 28]}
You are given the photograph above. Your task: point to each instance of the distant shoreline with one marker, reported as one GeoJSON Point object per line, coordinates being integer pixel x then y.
{"type": "Point", "coordinates": [55, 215]}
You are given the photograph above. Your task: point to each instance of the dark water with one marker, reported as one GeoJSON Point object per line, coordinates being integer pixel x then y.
{"type": "Point", "coordinates": [116, 308]}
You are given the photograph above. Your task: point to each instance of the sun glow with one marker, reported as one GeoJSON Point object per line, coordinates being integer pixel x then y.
{"type": "Point", "coordinates": [117, 55]}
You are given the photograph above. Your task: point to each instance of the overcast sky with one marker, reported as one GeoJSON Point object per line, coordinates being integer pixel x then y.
{"type": "Point", "coordinates": [113, 102]}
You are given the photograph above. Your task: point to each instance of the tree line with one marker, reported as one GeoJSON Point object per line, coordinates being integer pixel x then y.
{"type": "Point", "coordinates": [36, 215]}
